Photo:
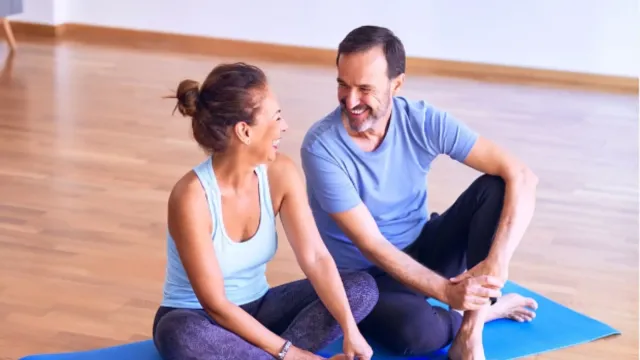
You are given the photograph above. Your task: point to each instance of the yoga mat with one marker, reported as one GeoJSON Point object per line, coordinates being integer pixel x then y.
{"type": "Point", "coordinates": [554, 327]}
{"type": "Point", "coordinates": [141, 350]}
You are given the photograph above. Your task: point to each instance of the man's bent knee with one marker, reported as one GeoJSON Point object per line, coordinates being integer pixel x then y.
{"type": "Point", "coordinates": [492, 183]}
{"type": "Point", "coordinates": [418, 339]}
{"type": "Point", "coordinates": [411, 328]}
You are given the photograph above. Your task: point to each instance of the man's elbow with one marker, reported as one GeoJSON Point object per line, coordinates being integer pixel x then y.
{"type": "Point", "coordinates": [523, 177]}
{"type": "Point", "coordinates": [530, 179]}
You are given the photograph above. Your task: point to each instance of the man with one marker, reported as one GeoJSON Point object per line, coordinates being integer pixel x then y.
{"type": "Point", "coordinates": [366, 165]}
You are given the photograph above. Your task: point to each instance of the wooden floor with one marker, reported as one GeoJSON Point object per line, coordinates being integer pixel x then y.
{"type": "Point", "coordinates": [89, 151]}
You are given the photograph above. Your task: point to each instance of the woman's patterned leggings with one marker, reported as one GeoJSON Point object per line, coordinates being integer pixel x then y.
{"type": "Point", "coordinates": [291, 310]}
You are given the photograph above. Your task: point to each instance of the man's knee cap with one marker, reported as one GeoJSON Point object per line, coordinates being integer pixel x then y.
{"type": "Point", "coordinates": [492, 183]}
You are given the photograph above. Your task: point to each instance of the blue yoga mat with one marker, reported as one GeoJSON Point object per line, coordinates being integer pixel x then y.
{"type": "Point", "coordinates": [141, 350]}
{"type": "Point", "coordinates": [554, 327]}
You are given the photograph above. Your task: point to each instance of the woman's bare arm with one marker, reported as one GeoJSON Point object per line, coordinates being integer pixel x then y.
{"type": "Point", "coordinates": [310, 251]}
{"type": "Point", "coordinates": [190, 226]}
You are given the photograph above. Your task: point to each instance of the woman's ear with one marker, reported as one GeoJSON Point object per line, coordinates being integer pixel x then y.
{"type": "Point", "coordinates": [243, 132]}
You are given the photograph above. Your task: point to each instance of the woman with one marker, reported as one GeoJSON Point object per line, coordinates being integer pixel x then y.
{"type": "Point", "coordinates": [221, 233]}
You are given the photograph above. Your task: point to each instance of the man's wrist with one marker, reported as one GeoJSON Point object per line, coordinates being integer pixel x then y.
{"type": "Point", "coordinates": [441, 290]}
{"type": "Point", "coordinates": [499, 258]}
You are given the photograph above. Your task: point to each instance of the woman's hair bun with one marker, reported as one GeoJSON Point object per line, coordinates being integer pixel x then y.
{"type": "Point", "coordinates": [187, 94]}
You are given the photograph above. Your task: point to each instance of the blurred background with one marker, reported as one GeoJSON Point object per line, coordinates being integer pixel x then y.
{"type": "Point", "coordinates": [590, 36]}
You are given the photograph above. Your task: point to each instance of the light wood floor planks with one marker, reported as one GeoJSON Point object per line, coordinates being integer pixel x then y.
{"type": "Point", "coordinates": [89, 151]}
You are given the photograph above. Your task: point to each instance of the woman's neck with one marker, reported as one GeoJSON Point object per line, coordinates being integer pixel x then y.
{"type": "Point", "coordinates": [234, 172]}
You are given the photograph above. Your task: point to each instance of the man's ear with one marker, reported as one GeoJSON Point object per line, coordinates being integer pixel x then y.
{"type": "Point", "coordinates": [396, 84]}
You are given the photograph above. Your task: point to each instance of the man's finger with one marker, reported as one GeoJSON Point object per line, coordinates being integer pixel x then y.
{"type": "Point", "coordinates": [490, 281]}
{"type": "Point", "coordinates": [472, 307]}
{"type": "Point", "coordinates": [460, 277]}
{"type": "Point", "coordinates": [476, 302]}
{"type": "Point", "coordinates": [486, 292]}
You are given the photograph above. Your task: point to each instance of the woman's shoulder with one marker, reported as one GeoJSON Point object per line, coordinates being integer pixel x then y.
{"type": "Point", "coordinates": [188, 194]}
{"type": "Point", "coordinates": [281, 170]}
{"type": "Point", "coordinates": [188, 208]}
{"type": "Point", "coordinates": [186, 188]}
{"type": "Point", "coordinates": [284, 177]}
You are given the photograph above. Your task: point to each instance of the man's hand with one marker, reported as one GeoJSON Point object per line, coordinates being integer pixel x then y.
{"type": "Point", "coordinates": [472, 293]}
{"type": "Point", "coordinates": [489, 267]}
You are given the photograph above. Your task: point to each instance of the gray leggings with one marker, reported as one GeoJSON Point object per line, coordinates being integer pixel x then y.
{"type": "Point", "coordinates": [291, 310]}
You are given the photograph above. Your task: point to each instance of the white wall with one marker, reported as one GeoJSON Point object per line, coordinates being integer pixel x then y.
{"type": "Point", "coordinates": [37, 11]}
{"type": "Point", "coordinates": [595, 36]}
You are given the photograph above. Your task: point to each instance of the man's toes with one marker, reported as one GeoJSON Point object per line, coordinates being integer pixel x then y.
{"type": "Point", "coordinates": [528, 317]}
{"type": "Point", "coordinates": [525, 314]}
{"type": "Point", "coordinates": [531, 303]}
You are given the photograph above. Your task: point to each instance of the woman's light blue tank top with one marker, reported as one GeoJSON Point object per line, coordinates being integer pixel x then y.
{"type": "Point", "coordinates": [242, 264]}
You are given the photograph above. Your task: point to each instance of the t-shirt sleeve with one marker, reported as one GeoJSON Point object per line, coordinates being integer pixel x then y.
{"type": "Point", "coordinates": [329, 183]}
{"type": "Point", "coordinates": [447, 135]}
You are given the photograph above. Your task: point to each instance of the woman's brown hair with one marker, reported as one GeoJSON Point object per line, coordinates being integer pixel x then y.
{"type": "Point", "coordinates": [231, 93]}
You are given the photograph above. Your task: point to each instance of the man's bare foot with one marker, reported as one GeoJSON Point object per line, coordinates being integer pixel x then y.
{"type": "Point", "coordinates": [467, 346]}
{"type": "Point", "coordinates": [513, 306]}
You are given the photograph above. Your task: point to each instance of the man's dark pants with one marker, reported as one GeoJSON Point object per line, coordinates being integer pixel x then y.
{"type": "Point", "coordinates": [403, 321]}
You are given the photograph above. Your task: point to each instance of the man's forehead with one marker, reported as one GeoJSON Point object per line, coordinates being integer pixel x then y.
{"type": "Point", "coordinates": [361, 69]}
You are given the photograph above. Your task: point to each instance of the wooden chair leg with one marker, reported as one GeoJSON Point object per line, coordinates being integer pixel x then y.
{"type": "Point", "coordinates": [9, 33]}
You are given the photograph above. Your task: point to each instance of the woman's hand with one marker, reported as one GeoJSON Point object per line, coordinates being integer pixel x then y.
{"type": "Point", "coordinates": [355, 346]}
{"type": "Point", "coordinates": [295, 353]}
{"type": "Point", "coordinates": [313, 256]}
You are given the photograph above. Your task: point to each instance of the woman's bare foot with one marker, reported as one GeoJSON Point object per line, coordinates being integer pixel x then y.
{"type": "Point", "coordinates": [467, 346]}
{"type": "Point", "coordinates": [513, 306]}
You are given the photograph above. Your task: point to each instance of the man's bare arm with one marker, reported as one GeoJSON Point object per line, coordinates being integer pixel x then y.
{"type": "Point", "coordinates": [519, 201]}
{"type": "Point", "coordinates": [335, 193]}
{"type": "Point", "coordinates": [361, 228]}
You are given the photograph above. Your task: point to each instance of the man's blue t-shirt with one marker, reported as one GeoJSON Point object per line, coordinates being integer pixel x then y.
{"type": "Point", "coordinates": [391, 180]}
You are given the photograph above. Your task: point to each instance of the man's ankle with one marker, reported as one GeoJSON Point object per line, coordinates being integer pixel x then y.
{"type": "Point", "coordinates": [473, 321]}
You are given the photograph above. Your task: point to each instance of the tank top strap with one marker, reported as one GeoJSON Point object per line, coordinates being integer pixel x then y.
{"type": "Point", "coordinates": [265, 192]}
{"type": "Point", "coordinates": [204, 172]}
{"type": "Point", "coordinates": [243, 264]}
